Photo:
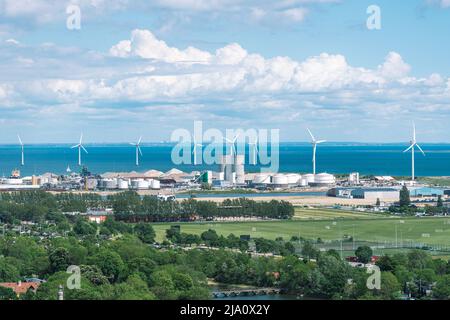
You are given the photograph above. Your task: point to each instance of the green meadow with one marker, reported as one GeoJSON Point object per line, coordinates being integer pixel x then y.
{"type": "Point", "coordinates": [332, 226]}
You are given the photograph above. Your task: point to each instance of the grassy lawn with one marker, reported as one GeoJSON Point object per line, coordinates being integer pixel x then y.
{"type": "Point", "coordinates": [430, 231]}
{"type": "Point", "coordinates": [331, 214]}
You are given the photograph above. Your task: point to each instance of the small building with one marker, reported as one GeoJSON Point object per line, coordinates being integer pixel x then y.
{"type": "Point", "coordinates": [425, 192]}
{"type": "Point", "coordinates": [98, 216]}
{"type": "Point", "coordinates": [20, 287]}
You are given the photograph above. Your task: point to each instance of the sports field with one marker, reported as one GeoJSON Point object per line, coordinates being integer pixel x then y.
{"type": "Point", "coordinates": [383, 230]}
{"type": "Point", "coordinates": [302, 213]}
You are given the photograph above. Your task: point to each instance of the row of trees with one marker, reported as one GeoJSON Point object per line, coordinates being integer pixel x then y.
{"type": "Point", "coordinates": [212, 239]}
{"type": "Point", "coordinates": [130, 207]}
{"type": "Point", "coordinates": [39, 206]}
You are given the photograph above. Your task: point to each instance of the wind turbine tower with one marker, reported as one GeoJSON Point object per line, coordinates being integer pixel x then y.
{"type": "Point", "coordinates": [22, 162]}
{"type": "Point", "coordinates": [194, 152]}
{"type": "Point", "coordinates": [138, 150]}
{"type": "Point", "coordinates": [80, 146]}
{"type": "Point", "coordinates": [314, 143]}
{"type": "Point", "coordinates": [253, 149]}
{"type": "Point", "coordinates": [412, 148]}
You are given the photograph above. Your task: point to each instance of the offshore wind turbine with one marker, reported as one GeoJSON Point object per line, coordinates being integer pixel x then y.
{"type": "Point", "coordinates": [194, 152]}
{"type": "Point", "coordinates": [254, 151]}
{"type": "Point", "coordinates": [138, 149]}
{"type": "Point", "coordinates": [412, 148]}
{"type": "Point", "coordinates": [233, 144]}
{"type": "Point", "coordinates": [314, 143]}
{"type": "Point", "coordinates": [22, 162]}
{"type": "Point", "coordinates": [80, 146]}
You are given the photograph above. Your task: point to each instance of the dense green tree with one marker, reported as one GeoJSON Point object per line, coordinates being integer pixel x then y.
{"type": "Point", "coordinates": [330, 277]}
{"type": "Point", "coordinates": [334, 253]}
{"type": "Point", "coordinates": [49, 290]}
{"type": "Point", "coordinates": [405, 200]}
{"type": "Point", "coordinates": [440, 203]}
{"type": "Point", "coordinates": [418, 259]}
{"type": "Point", "coordinates": [442, 289]}
{"type": "Point", "coordinates": [84, 228]}
{"type": "Point", "coordinates": [390, 287]}
{"type": "Point", "coordinates": [110, 263]}
{"type": "Point", "coordinates": [93, 274]}
{"type": "Point", "coordinates": [289, 248]}
{"type": "Point", "coordinates": [385, 263]}
{"type": "Point", "coordinates": [8, 272]}
{"type": "Point", "coordinates": [134, 288]}
{"type": "Point", "coordinates": [7, 294]}
{"type": "Point", "coordinates": [59, 260]}
{"type": "Point", "coordinates": [309, 251]}
{"type": "Point", "coordinates": [163, 286]}
{"type": "Point", "coordinates": [364, 254]}
{"type": "Point", "coordinates": [145, 232]}
{"type": "Point", "coordinates": [210, 236]}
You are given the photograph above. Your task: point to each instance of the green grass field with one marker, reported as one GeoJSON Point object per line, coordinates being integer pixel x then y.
{"type": "Point", "coordinates": [430, 231]}
{"type": "Point", "coordinates": [331, 214]}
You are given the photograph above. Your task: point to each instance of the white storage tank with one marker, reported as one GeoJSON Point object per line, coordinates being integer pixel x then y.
{"type": "Point", "coordinates": [123, 184]}
{"type": "Point", "coordinates": [324, 179]}
{"type": "Point", "coordinates": [293, 178]}
{"type": "Point", "coordinates": [280, 179]}
{"type": "Point", "coordinates": [108, 183]}
{"type": "Point", "coordinates": [303, 182]}
{"type": "Point", "coordinates": [309, 178]}
{"type": "Point", "coordinates": [155, 184]}
{"type": "Point", "coordinates": [261, 178]}
{"type": "Point", "coordinates": [139, 184]}
{"type": "Point", "coordinates": [13, 181]}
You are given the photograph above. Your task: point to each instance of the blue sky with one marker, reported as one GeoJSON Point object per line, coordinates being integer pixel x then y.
{"type": "Point", "coordinates": [150, 67]}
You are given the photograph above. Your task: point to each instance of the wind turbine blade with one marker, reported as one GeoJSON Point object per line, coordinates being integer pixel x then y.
{"type": "Point", "coordinates": [310, 133]}
{"type": "Point", "coordinates": [410, 147]}
{"type": "Point", "coordinates": [20, 140]}
{"type": "Point", "coordinates": [235, 138]}
{"type": "Point", "coordinates": [140, 152]}
{"type": "Point", "coordinates": [81, 138]}
{"type": "Point", "coordinates": [414, 131]}
{"type": "Point", "coordinates": [140, 139]}
{"type": "Point", "coordinates": [133, 144]}
{"type": "Point", "coordinates": [83, 148]}
{"type": "Point", "coordinates": [75, 146]}
{"type": "Point", "coordinates": [321, 141]}
{"type": "Point", "coordinates": [420, 149]}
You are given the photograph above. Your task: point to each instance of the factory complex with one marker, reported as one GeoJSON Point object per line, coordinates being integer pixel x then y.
{"type": "Point", "coordinates": [229, 175]}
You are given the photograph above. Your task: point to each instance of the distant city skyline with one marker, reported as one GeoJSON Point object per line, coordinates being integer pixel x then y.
{"type": "Point", "coordinates": [150, 67]}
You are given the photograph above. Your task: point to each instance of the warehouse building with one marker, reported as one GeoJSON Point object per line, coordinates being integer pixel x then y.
{"type": "Point", "coordinates": [376, 193]}
{"type": "Point", "coordinates": [365, 193]}
{"type": "Point", "coordinates": [425, 192]}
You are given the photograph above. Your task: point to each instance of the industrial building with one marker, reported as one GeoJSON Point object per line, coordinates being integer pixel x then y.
{"type": "Point", "coordinates": [425, 192]}
{"type": "Point", "coordinates": [232, 169]}
{"type": "Point", "coordinates": [365, 193]}
{"type": "Point", "coordinates": [353, 178]}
